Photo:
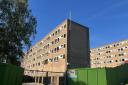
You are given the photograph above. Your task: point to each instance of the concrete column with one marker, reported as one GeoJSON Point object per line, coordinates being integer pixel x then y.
{"type": "Point", "coordinates": [35, 79]}
{"type": "Point", "coordinates": [42, 80]}
{"type": "Point", "coordinates": [57, 80]}
{"type": "Point", "coordinates": [38, 79]}
{"type": "Point", "coordinates": [51, 80]}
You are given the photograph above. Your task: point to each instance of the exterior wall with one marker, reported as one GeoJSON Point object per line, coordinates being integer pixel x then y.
{"type": "Point", "coordinates": [49, 53]}
{"type": "Point", "coordinates": [111, 55]}
{"type": "Point", "coordinates": [56, 50]}
{"type": "Point", "coordinates": [78, 46]}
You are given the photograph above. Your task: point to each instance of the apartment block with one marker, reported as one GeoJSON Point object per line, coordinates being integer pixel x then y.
{"type": "Point", "coordinates": [67, 46]}
{"type": "Point", "coordinates": [110, 55]}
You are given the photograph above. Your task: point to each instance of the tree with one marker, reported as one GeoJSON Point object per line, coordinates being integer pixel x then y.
{"type": "Point", "coordinates": [17, 27]}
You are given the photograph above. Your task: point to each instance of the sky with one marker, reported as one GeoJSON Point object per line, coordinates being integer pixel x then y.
{"type": "Point", "coordinates": [107, 19]}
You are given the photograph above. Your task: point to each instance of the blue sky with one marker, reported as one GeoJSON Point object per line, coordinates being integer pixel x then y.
{"type": "Point", "coordinates": [106, 19]}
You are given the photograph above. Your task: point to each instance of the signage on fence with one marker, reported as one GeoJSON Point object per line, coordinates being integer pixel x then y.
{"type": "Point", "coordinates": [72, 74]}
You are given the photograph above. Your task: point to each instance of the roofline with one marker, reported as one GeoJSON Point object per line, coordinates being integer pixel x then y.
{"type": "Point", "coordinates": [109, 44]}
{"type": "Point", "coordinates": [68, 20]}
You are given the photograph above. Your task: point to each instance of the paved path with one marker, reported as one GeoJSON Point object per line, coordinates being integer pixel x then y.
{"type": "Point", "coordinates": [31, 84]}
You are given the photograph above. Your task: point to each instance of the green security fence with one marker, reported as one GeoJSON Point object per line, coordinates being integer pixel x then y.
{"type": "Point", "coordinates": [10, 75]}
{"type": "Point", "coordinates": [98, 76]}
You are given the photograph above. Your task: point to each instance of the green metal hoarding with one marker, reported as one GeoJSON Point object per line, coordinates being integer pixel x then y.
{"type": "Point", "coordinates": [10, 75]}
{"type": "Point", "coordinates": [98, 76]}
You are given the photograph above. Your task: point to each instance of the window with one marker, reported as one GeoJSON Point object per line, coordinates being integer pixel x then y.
{"type": "Point", "coordinates": [52, 42]}
{"type": "Point", "coordinates": [58, 30]}
{"type": "Point", "coordinates": [39, 64]}
{"type": "Point", "coordinates": [118, 44]}
{"type": "Point", "coordinates": [50, 60]}
{"type": "Point", "coordinates": [97, 58]}
{"type": "Point", "coordinates": [46, 61]}
{"type": "Point", "coordinates": [48, 38]}
{"type": "Point", "coordinates": [116, 60]}
{"type": "Point", "coordinates": [57, 48]}
{"type": "Point", "coordinates": [107, 47]}
{"type": "Point", "coordinates": [114, 45]}
{"type": "Point", "coordinates": [34, 59]}
{"type": "Point", "coordinates": [61, 35]}
{"type": "Point", "coordinates": [63, 56]}
{"type": "Point", "coordinates": [58, 39]}
{"type": "Point", "coordinates": [52, 51]}
{"type": "Point", "coordinates": [98, 53]}
{"type": "Point", "coordinates": [64, 35]}
{"type": "Point", "coordinates": [118, 49]}
{"type": "Point", "coordinates": [122, 59]}
{"type": "Point", "coordinates": [56, 33]}
{"type": "Point", "coordinates": [53, 34]}
{"type": "Point", "coordinates": [64, 45]}
{"type": "Point", "coordinates": [108, 51]}
{"type": "Point", "coordinates": [30, 50]}
{"type": "Point", "coordinates": [109, 56]}
{"type": "Point", "coordinates": [121, 49]}
{"type": "Point", "coordinates": [121, 54]}
{"type": "Point", "coordinates": [65, 26]}
{"type": "Point", "coordinates": [56, 59]}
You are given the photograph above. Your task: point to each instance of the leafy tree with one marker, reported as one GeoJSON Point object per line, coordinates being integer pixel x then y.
{"type": "Point", "coordinates": [17, 27]}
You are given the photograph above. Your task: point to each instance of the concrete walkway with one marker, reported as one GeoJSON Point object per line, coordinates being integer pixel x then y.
{"type": "Point", "coordinates": [31, 84]}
